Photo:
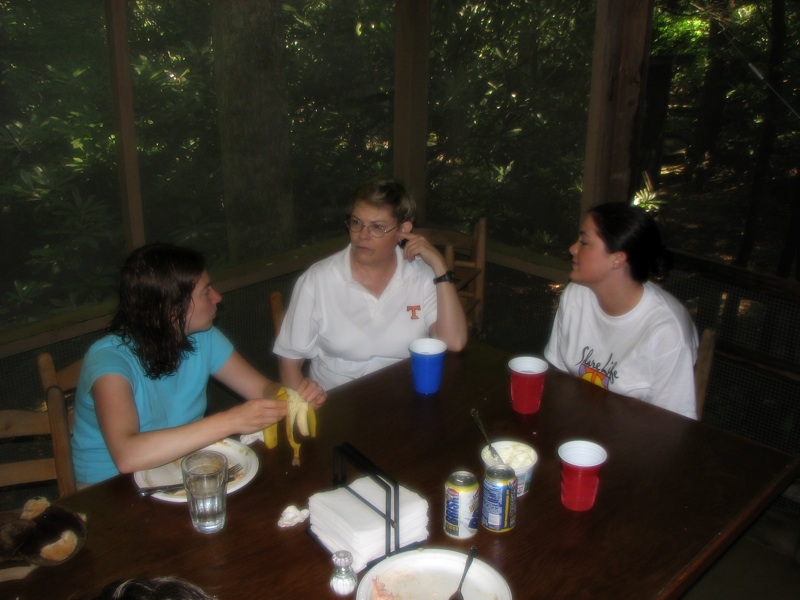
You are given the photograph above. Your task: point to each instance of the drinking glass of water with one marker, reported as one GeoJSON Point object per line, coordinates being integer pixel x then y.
{"type": "Point", "coordinates": [205, 477]}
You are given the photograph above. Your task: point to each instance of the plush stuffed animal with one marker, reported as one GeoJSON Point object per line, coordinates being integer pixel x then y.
{"type": "Point", "coordinates": [42, 534]}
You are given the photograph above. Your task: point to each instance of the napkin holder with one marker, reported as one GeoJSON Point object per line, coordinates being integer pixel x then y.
{"type": "Point", "coordinates": [345, 454]}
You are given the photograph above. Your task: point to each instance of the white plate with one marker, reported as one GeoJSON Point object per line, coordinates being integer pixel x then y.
{"type": "Point", "coordinates": [429, 574]}
{"type": "Point", "coordinates": [234, 451]}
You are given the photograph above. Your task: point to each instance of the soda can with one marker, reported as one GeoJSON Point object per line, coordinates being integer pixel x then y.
{"type": "Point", "coordinates": [499, 510]}
{"type": "Point", "coordinates": [461, 503]}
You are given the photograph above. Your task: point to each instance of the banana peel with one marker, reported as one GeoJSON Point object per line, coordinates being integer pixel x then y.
{"type": "Point", "coordinates": [297, 411]}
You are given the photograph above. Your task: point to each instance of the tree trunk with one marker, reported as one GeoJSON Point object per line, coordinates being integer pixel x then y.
{"type": "Point", "coordinates": [659, 81]}
{"type": "Point", "coordinates": [768, 129]}
{"type": "Point", "coordinates": [248, 38]}
{"type": "Point", "coordinates": [712, 99]}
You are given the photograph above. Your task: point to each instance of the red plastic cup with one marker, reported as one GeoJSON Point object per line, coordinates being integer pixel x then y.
{"type": "Point", "coordinates": [527, 383]}
{"type": "Point", "coordinates": [580, 473]}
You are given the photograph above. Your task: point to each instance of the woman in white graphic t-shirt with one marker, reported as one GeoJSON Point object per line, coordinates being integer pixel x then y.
{"type": "Point", "coordinates": [616, 328]}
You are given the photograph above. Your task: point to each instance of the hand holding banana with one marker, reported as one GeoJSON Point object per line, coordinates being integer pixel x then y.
{"type": "Point", "coordinates": [297, 411]}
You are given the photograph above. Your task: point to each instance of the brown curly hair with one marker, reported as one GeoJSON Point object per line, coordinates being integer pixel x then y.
{"type": "Point", "coordinates": [155, 291]}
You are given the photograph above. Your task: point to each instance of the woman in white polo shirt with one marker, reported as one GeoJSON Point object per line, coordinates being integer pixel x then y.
{"type": "Point", "coordinates": [357, 311]}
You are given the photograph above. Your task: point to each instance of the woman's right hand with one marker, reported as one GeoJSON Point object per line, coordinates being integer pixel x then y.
{"type": "Point", "coordinates": [256, 414]}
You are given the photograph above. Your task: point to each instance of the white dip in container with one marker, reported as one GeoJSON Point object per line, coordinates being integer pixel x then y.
{"type": "Point", "coordinates": [516, 455]}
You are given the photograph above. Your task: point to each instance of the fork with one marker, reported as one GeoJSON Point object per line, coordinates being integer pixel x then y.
{"type": "Point", "coordinates": [173, 487]}
{"type": "Point", "coordinates": [457, 595]}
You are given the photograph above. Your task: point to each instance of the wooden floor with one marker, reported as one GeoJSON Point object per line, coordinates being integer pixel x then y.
{"type": "Point", "coordinates": [764, 564]}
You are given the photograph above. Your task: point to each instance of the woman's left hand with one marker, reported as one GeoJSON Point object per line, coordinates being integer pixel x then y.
{"type": "Point", "coordinates": [416, 245]}
{"type": "Point", "coordinates": [312, 392]}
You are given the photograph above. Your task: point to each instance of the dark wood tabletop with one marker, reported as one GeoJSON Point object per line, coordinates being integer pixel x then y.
{"type": "Point", "coordinates": [674, 494]}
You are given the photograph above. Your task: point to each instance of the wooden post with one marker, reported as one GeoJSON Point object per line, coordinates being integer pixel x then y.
{"type": "Point", "coordinates": [619, 66]}
{"type": "Point", "coordinates": [412, 42]}
{"type": "Point", "coordinates": [122, 92]}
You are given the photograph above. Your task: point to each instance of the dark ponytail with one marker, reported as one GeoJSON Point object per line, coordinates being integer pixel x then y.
{"type": "Point", "coordinates": [632, 230]}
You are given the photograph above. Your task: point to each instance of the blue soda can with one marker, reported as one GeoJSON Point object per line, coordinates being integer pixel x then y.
{"type": "Point", "coordinates": [499, 510]}
{"type": "Point", "coordinates": [461, 504]}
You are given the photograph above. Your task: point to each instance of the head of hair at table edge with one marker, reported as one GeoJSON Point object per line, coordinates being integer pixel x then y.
{"type": "Point", "coordinates": [156, 588]}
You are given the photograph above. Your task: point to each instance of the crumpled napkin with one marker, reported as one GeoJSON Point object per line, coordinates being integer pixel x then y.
{"type": "Point", "coordinates": [292, 516]}
{"type": "Point", "coordinates": [249, 438]}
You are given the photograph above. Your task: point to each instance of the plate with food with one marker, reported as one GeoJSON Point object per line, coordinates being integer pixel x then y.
{"type": "Point", "coordinates": [170, 473]}
{"type": "Point", "coordinates": [431, 573]}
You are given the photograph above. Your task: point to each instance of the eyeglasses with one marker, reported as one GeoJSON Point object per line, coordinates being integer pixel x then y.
{"type": "Point", "coordinates": [375, 230]}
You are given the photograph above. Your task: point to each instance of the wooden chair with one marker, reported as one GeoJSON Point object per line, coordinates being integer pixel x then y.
{"type": "Point", "coordinates": [55, 422]}
{"type": "Point", "coordinates": [702, 368]}
{"type": "Point", "coordinates": [465, 255]}
{"type": "Point", "coordinates": [277, 310]}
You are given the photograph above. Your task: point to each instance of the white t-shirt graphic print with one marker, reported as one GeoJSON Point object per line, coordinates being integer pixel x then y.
{"type": "Point", "coordinates": [647, 353]}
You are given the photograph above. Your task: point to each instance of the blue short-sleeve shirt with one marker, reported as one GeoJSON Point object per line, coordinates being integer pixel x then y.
{"type": "Point", "coordinates": [168, 401]}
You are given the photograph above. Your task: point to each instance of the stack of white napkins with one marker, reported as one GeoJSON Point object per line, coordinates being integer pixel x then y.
{"type": "Point", "coordinates": [341, 521]}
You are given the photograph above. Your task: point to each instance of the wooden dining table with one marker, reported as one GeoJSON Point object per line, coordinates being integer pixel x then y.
{"type": "Point", "coordinates": [674, 494]}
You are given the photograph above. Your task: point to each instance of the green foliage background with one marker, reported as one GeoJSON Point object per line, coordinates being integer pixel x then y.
{"type": "Point", "coordinates": [507, 125]}
{"type": "Point", "coordinates": [509, 100]}
{"type": "Point", "coordinates": [59, 216]}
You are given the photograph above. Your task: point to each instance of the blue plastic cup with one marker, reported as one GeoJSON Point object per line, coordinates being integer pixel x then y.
{"type": "Point", "coordinates": [427, 361]}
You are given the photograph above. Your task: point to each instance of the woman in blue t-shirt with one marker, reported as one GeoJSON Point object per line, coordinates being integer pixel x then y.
{"type": "Point", "coordinates": [141, 395]}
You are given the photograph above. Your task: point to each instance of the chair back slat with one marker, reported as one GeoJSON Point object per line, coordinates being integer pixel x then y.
{"type": "Point", "coordinates": [277, 310]}
{"type": "Point", "coordinates": [21, 423]}
{"type": "Point", "coordinates": [702, 368]}
{"type": "Point", "coordinates": [465, 255]}
{"type": "Point", "coordinates": [29, 471]}
{"type": "Point", "coordinates": [60, 430]}
{"type": "Point", "coordinates": [55, 422]}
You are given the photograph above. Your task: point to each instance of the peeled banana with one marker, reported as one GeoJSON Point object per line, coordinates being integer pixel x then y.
{"type": "Point", "coordinates": [298, 411]}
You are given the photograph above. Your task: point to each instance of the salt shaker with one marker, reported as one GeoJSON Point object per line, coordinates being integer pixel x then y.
{"type": "Point", "coordinates": [343, 579]}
